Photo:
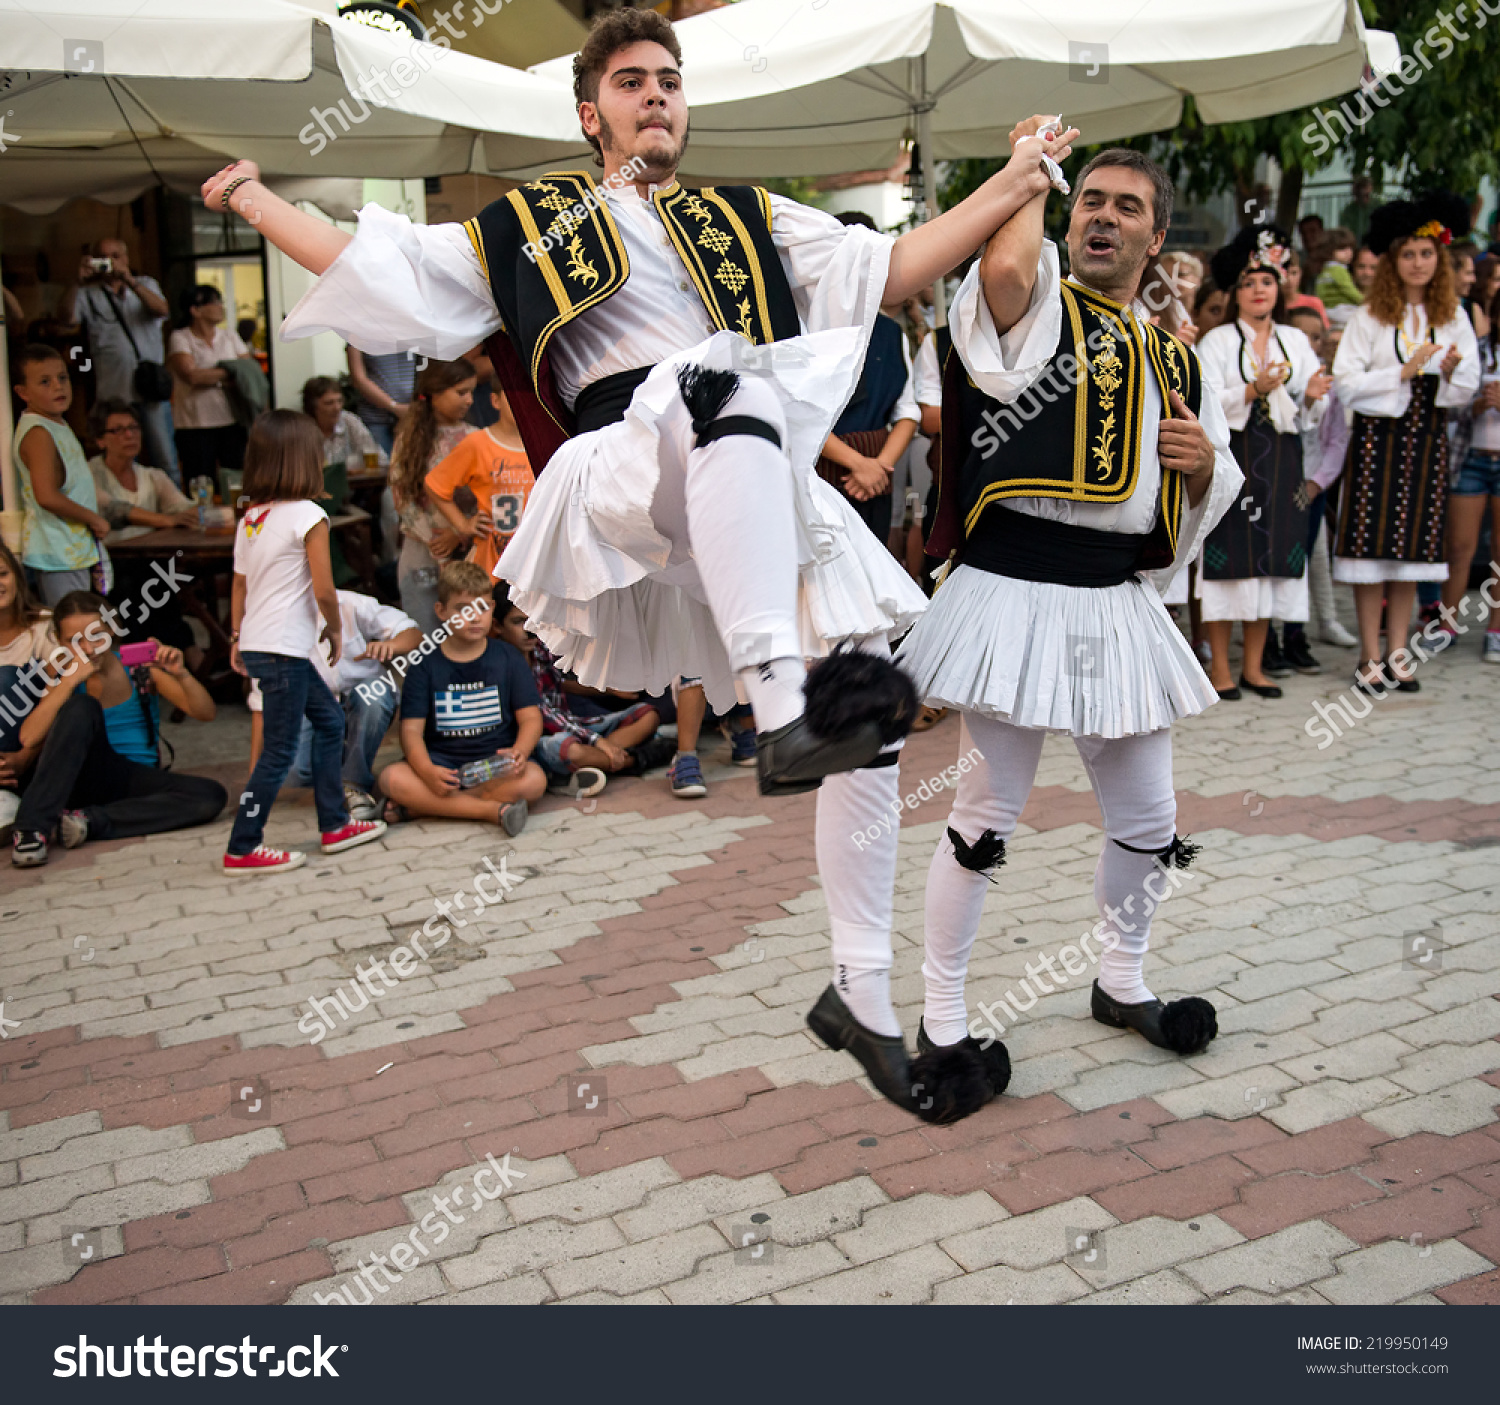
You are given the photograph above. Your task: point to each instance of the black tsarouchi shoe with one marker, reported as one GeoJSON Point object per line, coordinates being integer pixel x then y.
{"type": "Point", "coordinates": [1183, 1026]}
{"type": "Point", "coordinates": [995, 1058]}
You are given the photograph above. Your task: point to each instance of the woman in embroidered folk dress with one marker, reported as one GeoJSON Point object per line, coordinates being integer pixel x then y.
{"type": "Point", "coordinates": [1271, 386]}
{"type": "Point", "coordinates": [1408, 356]}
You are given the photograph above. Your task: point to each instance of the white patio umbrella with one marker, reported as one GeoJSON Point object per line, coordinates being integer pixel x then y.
{"type": "Point", "coordinates": [816, 87]}
{"type": "Point", "coordinates": [105, 98]}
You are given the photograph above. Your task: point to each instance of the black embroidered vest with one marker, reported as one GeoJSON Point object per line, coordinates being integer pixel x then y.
{"type": "Point", "coordinates": [551, 250]}
{"type": "Point", "coordinates": [1074, 433]}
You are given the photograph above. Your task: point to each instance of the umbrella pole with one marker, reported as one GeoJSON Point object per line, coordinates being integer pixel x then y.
{"type": "Point", "coordinates": [929, 176]}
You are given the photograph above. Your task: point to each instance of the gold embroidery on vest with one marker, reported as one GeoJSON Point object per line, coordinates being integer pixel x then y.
{"type": "Point", "coordinates": [732, 276]}
{"type": "Point", "coordinates": [715, 239]}
{"type": "Point", "coordinates": [698, 210]}
{"type": "Point", "coordinates": [578, 266]}
{"type": "Point", "coordinates": [1107, 367]}
{"type": "Point", "coordinates": [744, 327]}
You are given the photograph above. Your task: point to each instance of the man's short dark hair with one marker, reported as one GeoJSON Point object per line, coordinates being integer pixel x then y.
{"type": "Point", "coordinates": [615, 30]}
{"type": "Point", "coordinates": [1161, 184]}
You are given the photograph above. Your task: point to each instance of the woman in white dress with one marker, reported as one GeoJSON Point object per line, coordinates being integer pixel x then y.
{"type": "Point", "coordinates": [1407, 357]}
{"type": "Point", "coordinates": [1271, 386]}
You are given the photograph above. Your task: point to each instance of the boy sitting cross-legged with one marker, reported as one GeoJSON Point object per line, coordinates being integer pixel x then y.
{"type": "Point", "coordinates": [470, 718]}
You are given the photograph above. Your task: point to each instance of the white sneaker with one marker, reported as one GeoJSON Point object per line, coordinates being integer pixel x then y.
{"type": "Point", "coordinates": [1492, 646]}
{"type": "Point", "coordinates": [361, 804]}
{"type": "Point", "coordinates": [1332, 632]}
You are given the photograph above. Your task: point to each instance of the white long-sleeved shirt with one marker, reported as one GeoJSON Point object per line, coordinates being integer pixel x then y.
{"type": "Point", "coordinates": [1367, 369]}
{"type": "Point", "coordinates": [404, 287]}
{"type": "Point", "coordinates": [1229, 365]}
{"type": "Point", "coordinates": [927, 375]}
{"type": "Point", "coordinates": [1004, 367]}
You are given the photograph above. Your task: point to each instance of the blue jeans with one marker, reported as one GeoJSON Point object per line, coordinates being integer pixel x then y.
{"type": "Point", "coordinates": [291, 689]}
{"type": "Point", "coordinates": [365, 726]}
{"type": "Point", "coordinates": [159, 432]}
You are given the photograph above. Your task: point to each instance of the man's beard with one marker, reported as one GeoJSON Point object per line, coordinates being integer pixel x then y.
{"type": "Point", "coordinates": [607, 143]}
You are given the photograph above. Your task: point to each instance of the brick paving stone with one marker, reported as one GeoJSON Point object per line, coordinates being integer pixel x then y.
{"type": "Point", "coordinates": [736, 1278]}
{"type": "Point", "coordinates": [906, 1277]}
{"type": "Point", "coordinates": [1146, 1246]}
{"type": "Point", "coordinates": [1165, 1286]}
{"type": "Point", "coordinates": [1324, 1149]}
{"type": "Point", "coordinates": [1194, 1189]}
{"type": "Point", "coordinates": [1267, 1206]}
{"type": "Point", "coordinates": [921, 1219]}
{"type": "Point", "coordinates": [651, 1263]}
{"type": "Point", "coordinates": [1028, 1241]}
{"type": "Point", "coordinates": [1482, 1289]}
{"type": "Point", "coordinates": [1389, 1272]}
{"type": "Point", "coordinates": [1289, 1258]}
{"type": "Point", "coordinates": [1182, 1143]}
{"type": "Point", "coordinates": [1423, 1214]}
{"type": "Point", "coordinates": [1002, 1285]}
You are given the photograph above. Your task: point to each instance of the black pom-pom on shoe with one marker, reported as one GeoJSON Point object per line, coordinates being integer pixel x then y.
{"type": "Point", "coordinates": [949, 1083]}
{"type": "Point", "coordinates": [1184, 1026]}
{"type": "Point", "coordinates": [1188, 1026]}
{"type": "Point", "coordinates": [850, 688]}
{"type": "Point", "coordinates": [857, 705]}
{"type": "Point", "coordinates": [992, 1054]}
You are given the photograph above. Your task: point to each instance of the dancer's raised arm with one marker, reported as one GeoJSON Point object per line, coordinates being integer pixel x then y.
{"type": "Point", "coordinates": [1008, 267]}
{"type": "Point", "coordinates": [300, 236]}
{"type": "Point", "coordinates": [931, 250]}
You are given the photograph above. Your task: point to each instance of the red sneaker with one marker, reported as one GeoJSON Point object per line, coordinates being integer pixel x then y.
{"type": "Point", "coordinates": [352, 835]}
{"type": "Point", "coordinates": [264, 860]}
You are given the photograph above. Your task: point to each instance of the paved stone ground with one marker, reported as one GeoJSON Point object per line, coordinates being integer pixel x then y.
{"type": "Point", "coordinates": [1338, 1143]}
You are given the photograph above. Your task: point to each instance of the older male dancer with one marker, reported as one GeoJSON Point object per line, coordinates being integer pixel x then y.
{"type": "Point", "coordinates": [675, 359]}
{"type": "Point", "coordinates": [1080, 452]}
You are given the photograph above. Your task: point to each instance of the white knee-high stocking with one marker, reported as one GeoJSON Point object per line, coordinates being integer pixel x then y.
{"type": "Point", "coordinates": [1132, 779]}
{"type": "Point", "coordinates": [990, 796]}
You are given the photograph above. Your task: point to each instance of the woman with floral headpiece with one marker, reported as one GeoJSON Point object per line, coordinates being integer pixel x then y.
{"type": "Point", "coordinates": [1408, 355]}
{"type": "Point", "coordinates": [1271, 386]}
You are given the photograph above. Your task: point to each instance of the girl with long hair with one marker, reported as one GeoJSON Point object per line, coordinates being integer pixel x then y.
{"type": "Point", "coordinates": [434, 426]}
{"type": "Point", "coordinates": [1272, 387]}
{"type": "Point", "coordinates": [283, 582]}
{"type": "Point", "coordinates": [1407, 357]}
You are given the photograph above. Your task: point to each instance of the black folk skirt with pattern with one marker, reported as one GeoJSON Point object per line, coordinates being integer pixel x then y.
{"type": "Point", "coordinates": [1393, 498]}
{"type": "Point", "coordinates": [1265, 533]}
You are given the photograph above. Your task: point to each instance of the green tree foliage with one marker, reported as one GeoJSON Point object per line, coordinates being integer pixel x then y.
{"type": "Point", "coordinates": [1443, 125]}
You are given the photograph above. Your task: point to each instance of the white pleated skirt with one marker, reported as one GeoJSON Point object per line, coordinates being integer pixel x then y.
{"type": "Point", "coordinates": [621, 607]}
{"type": "Point", "coordinates": [1092, 663]}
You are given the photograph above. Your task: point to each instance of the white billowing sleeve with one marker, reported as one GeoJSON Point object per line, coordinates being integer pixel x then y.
{"type": "Point", "coordinates": [1004, 366]}
{"type": "Point", "coordinates": [906, 407]}
{"type": "Point", "coordinates": [399, 286]}
{"type": "Point", "coordinates": [1366, 370]}
{"type": "Point", "coordinates": [1223, 491]}
{"type": "Point", "coordinates": [927, 375]}
{"type": "Point", "coordinates": [1458, 390]}
{"type": "Point", "coordinates": [837, 271]}
{"type": "Point", "coordinates": [1218, 356]}
{"type": "Point", "coordinates": [1305, 365]}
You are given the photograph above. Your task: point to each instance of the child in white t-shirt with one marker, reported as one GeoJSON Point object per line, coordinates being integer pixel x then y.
{"type": "Point", "coordinates": [283, 581]}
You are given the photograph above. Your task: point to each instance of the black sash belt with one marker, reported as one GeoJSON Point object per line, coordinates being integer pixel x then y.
{"type": "Point", "coordinates": [1008, 543]}
{"type": "Point", "coordinates": [606, 400]}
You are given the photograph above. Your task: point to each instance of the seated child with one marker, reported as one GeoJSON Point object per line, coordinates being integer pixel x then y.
{"type": "Point", "coordinates": [470, 700]}
{"type": "Point", "coordinates": [98, 774]}
{"type": "Point", "coordinates": [579, 745]}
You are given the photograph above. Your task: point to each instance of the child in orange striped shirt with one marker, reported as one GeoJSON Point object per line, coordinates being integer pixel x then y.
{"type": "Point", "coordinates": [492, 464]}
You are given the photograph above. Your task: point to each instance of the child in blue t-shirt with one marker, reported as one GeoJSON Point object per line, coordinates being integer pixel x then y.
{"type": "Point", "coordinates": [472, 699]}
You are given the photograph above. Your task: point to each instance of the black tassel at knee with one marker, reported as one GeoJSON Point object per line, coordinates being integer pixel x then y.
{"type": "Point", "coordinates": [986, 852]}
{"type": "Point", "coordinates": [706, 393]}
{"type": "Point", "coordinates": [1179, 853]}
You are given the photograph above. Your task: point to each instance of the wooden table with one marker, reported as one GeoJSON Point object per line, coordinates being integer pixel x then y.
{"type": "Point", "coordinates": [211, 554]}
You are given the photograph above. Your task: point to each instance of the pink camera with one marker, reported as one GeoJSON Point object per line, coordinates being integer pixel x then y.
{"type": "Point", "coordinates": [133, 655]}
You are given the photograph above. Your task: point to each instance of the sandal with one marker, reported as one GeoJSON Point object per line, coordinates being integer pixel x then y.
{"type": "Point", "coordinates": [392, 813]}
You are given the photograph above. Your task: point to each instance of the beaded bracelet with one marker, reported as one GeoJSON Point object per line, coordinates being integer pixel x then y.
{"type": "Point", "coordinates": [229, 190]}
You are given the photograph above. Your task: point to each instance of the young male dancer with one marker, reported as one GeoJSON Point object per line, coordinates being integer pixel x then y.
{"type": "Point", "coordinates": [1080, 451]}
{"type": "Point", "coordinates": [675, 359]}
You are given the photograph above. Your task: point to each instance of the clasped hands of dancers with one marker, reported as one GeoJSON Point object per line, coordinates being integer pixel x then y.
{"type": "Point", "coordinates": [679, 527]}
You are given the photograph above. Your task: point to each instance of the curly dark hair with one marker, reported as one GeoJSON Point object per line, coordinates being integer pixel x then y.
{"type": "Point", "coordinates": [615, 30]}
